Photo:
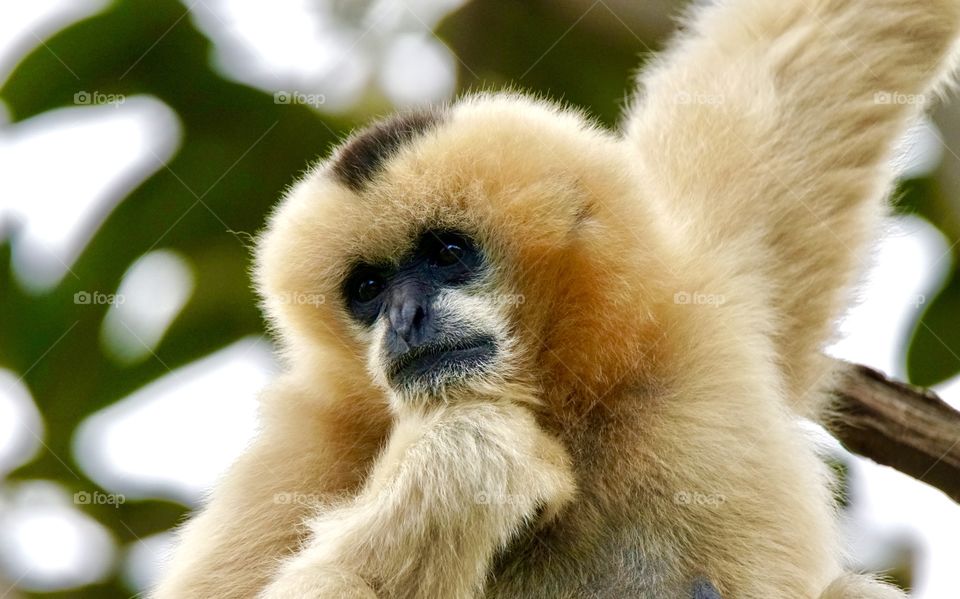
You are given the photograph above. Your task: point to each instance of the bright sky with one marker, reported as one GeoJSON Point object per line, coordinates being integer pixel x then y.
{"type": "Point", "coordinates": [142, 447]}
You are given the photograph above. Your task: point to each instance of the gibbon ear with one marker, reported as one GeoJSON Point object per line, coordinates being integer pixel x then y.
{"type": "Point", "coordinates": [358, 161]}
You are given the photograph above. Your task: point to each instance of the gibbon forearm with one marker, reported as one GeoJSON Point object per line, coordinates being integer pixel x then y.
{"type": "Point", "coordinates": [450, 489]}
{"type": "Point", "coordinates": [775, 123]}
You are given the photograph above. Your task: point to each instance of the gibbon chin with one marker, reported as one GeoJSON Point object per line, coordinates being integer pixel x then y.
{"type": "Point", "coordinates": [558, 361]}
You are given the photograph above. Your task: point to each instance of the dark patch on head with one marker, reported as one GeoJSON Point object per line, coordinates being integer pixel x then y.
{"type": "Point", "coordinates": [364, 154]}
{"type": "Point", "coordinates": [584, 214]}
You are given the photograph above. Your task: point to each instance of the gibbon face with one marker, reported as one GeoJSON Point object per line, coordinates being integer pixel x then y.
{"type": "Point", "coordinates": [449, 251]}
{"type": "Point", "coordinates": [428, 322]}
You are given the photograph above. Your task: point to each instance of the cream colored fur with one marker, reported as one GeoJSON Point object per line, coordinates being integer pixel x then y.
{"type": "Point", "coordinates": [678, 283]}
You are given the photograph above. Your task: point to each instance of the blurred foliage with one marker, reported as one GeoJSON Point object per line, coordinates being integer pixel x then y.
{"type": "Point", "coordinates": [933, 354]}
{"type": "Point", "coordinates": [239, 150]}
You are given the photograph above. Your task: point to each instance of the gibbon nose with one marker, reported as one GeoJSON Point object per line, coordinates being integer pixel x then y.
{"type": "Point", "coordinates": [407, 315]}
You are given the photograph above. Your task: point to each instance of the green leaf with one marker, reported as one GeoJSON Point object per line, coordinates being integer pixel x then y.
{"type": "Point", "coordinates": [934, 353]}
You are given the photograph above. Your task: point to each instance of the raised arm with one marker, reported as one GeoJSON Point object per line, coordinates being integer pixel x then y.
{"type": "Point", "coordinates": [767, 131]}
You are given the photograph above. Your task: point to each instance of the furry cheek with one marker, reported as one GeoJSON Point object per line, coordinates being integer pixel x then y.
{"type": "Point", "coordinates": [460, 313]}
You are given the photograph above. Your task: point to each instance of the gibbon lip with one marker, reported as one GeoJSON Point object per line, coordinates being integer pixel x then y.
{"type": "Point", "coordinates": [421, 361]}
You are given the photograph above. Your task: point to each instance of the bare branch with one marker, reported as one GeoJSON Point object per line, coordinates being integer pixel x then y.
{"type": "Point", "coordinates": [892, 423]}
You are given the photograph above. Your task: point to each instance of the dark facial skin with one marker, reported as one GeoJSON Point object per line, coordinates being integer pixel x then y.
{"type": "Point", "coordinates": [416, 342]}
{"type": "Point", "coordinates": [703, 589]}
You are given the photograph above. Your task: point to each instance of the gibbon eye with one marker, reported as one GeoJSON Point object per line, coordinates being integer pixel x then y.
{"type": "Point", "coordinates": [448, 255]}
{"type": "Point", "coordinates": [368, 287]}
{"type": "Point", "coordinates": [448, 250]}
{"type": "Point", "coordinates": [364, 291]}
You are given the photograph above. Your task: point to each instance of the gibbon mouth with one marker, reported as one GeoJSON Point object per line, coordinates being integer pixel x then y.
{"type": "Point", "coordinates": [461, 356]}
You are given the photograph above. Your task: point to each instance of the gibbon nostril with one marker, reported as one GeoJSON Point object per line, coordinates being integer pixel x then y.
{"type": "Point", "coordinates": [418, 317]}
{"type": "Point", "coordinates": [420, 332]}
{"type": "Point", "coordinates": [407, 316]}
{"type": "Point", "coordinates": [401, 318]}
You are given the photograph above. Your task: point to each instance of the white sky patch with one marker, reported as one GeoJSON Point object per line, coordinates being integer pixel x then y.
{"type": "Point", "coordinates": [295, 46]}
{"type": "Point", "coordinates": [21, 426]}
{"type": "Point", "coordinates": [418, 69]}
{"type": "Point", "coordinates": [910, 264]}
{"type": "Point", "coordinates": [46, 543]}
{"type": "Point", "coordinates": [63, 171]}
{"type": "Point", "coordinates": [334, 51]}
{"type": "Point", "coordinates": [153, 291]}
{"type": "Point", "coordinates": [411, 14]}
{"type": "Point", "coordinates": [950, 391]}
{"type": "Point", "coordinates": [175, 436]}
{"type": "Point", "coordinates": [920, 150]}
{"type": "Point", "coordinates": [145, 560]}
{"type": "Point", "coordinates": [888, 504]}
{"type": "Point", "coordinates": [25, 23]}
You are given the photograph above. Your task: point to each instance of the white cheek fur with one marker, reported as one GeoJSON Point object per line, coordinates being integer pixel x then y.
{"type": "Point", "coordinates": [458, 312]}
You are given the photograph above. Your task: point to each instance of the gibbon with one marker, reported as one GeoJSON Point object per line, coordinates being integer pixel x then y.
{"type": "Point", "coordinates": [557, 361]}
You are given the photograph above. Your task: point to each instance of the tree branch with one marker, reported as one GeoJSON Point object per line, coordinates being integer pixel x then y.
{"type": "Point", "coordinates": [898, 425]}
